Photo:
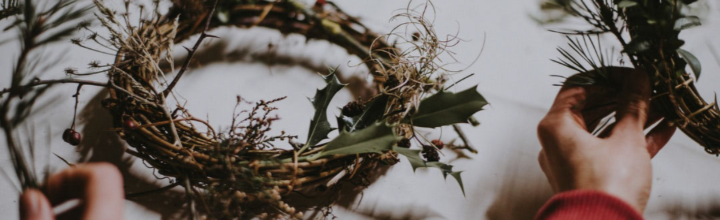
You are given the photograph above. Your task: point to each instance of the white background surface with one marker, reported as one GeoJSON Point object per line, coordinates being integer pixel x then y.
{"type": "Point", "coordinates": [503, 181]}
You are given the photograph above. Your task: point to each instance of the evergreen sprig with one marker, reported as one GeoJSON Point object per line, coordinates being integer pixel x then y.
{"type": "Point", "coordinates": [649, 34]}
{"type": "Point", "coordinates": [37, 27]}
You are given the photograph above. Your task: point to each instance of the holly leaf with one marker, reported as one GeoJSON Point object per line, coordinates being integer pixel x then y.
{"type": "Point", "coordinates": [447, 108]}
{"type": "Point", "coordinates": [457, 177]}
{"type": "Point", "coordinates": [373, 112]}
{"type": "Point", "coordinates": [692, 61]}
{"type": "Point", "coordinates": [344, 123]}
{"type": "Point", "coordinates": [377, 138]}
{"type": "Point", "coordinates": [413, 156]}
{"type": "Point", "coordinates": [319, 125]}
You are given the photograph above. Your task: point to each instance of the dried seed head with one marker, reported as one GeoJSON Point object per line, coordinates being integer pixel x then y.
{"type": "Point", "coordinates": [430, 154]}
{"type": "Point", "coordinates": [94, 64]}
{"type": "Point", "coordinates": [76, 41]}
{"type": "Point", "coordinates": [70, 70]}
{"type": "Point", "coordinates": [92, 36]}
{"type": "Point", "coordinates": [84, 24]}
{"type": "Point", "coordinates": [403, 143]}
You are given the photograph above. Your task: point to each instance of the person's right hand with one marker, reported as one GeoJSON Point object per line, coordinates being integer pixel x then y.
{"type": "Point", "coordinates": [617, 163]}
{"type": "Point", "coordinates": [99, 186]}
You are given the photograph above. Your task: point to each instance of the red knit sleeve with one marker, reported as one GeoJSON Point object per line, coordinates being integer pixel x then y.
{"type": "Point", "coordinates": [586, 204]}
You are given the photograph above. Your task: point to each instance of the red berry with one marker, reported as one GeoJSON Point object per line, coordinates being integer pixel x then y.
{"type": "Point", "coordinates": [130, 124]}
{"type": "Point", "coordinates": [320, 3]}
{"type": "Point", "coordinates": [438, 143]}
{"type": "Point", "coordinates": [72, 137]}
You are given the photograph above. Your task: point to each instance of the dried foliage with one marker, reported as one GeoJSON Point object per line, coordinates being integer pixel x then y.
{"type": "Point", "coordinates": [649, 32]}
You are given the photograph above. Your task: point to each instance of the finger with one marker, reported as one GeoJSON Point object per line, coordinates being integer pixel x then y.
{"type": "Point", "coordinates": [35, 206]}
{"type": "Point", "coordinates": [564, 116]}
{"type": "Point", "coordinates": [633, 104]}
{"type": "Point", "coordinates": [594, 116]}
{"type": "Point", "coordinates": [659, 137]}
{"type": "Point", "coordinates": [544, 166]}
{"type": "Point", "coordinates": [600, 102]}
{"type": "Point", "coordinates": [98, 185]}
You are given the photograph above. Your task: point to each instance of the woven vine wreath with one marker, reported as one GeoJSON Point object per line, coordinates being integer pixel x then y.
{"type": "Point", "coordinates": [648, 32]}
{"type": "Point", "coordinates": [239, 173]}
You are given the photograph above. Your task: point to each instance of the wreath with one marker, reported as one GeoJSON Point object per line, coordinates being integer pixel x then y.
{"type": "Point", "coordinates": [239, 172]}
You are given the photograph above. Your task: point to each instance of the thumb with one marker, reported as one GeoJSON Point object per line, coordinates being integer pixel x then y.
{"type": "Point", "coordinates": [35, 206]}
{"type": "Point", "coordinates": [633, 104]}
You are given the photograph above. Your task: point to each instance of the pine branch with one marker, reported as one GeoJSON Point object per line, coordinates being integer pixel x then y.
{"type": "Point", "coordinates": [32, 26]}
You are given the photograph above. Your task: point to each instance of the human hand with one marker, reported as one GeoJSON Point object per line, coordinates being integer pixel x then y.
{"type": "Point", "coordinates": [618, 161]}
{"type": "Point", "coordinates": [99, 186]}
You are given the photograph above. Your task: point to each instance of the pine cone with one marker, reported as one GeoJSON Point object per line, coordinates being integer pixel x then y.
{"type": "Point", "coordinates": [353, 108]}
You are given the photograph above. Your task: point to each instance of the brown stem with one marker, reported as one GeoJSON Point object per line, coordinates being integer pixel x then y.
{"type": "Point", "coordinates": [192, 52]}
{"type": "Point", "coordinates": [77, 100]}
{"type": "Point", "coordinates": [464, 138]}
{"type": "Point", "coordinates": [38, 82]}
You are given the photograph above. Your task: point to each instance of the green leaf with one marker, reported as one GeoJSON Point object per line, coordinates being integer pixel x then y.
{"type": "Point", "coordinates": [343, 123]}
{"type": "Point", "coordinates": [413, 156]}
{"type": "Point", "coordinates": [446, 108]}
{"type": "Point", "coordinates": [457, 177]}
{"type": "Point", "coordinates": [626, 4]}
{"type": "Point", "coordinates": [692, 61]}
{"type": "Point", "coordinates": [687, 22]}
{"type": "Point", "coordinates": [319, 125]}
{"type": "Point", "coordinates": [635, 47]}
{"type": "Point", "coordinates": [377, 138]}
{"type": "Point", "coordinates": [373, 112]}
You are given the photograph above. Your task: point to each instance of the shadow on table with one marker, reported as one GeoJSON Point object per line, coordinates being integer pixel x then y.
{"type": "Point", "coordinates": [102, 144]}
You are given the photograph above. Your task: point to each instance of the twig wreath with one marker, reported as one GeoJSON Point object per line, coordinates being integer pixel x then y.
{"type": "Point", "coordinates": [239, 173]}
{"type": "Point", "coordinates": [648, 32]}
